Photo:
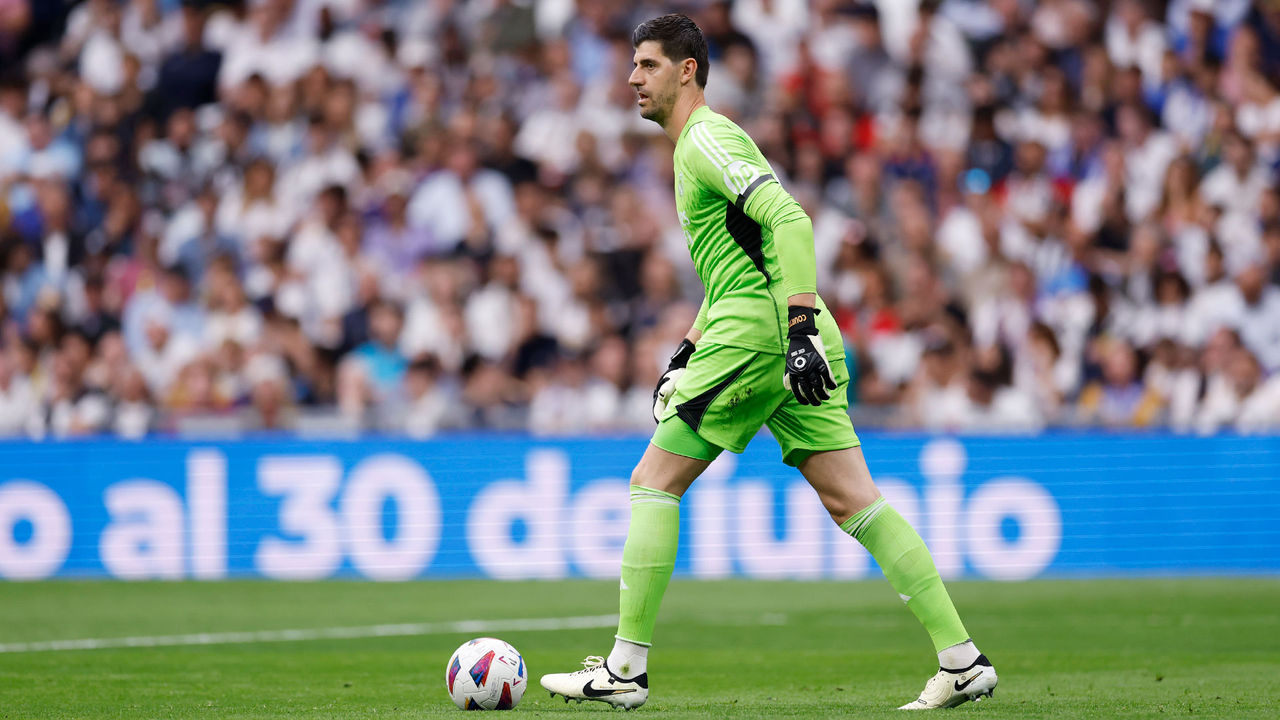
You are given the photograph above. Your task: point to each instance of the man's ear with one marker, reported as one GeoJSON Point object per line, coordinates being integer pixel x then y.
{"type": "Point", "coordinates": [688, 71]}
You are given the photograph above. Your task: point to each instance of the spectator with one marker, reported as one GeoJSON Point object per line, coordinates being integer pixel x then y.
{"type": "Point", "coordinates": [1244, 399]}
{"type": "Point", "coordinates": [188, 77]}
{"type": "Point", "coordinates": [375, 369]}
{"type": "Point", "coordinates": [1148, 153]}
{"type": "Point", "coordinates": [939, 380]}
{"type": "Point", "coordinates": [134, 413]}
{"type": "Point", "coordinates": [490, 311]}
{"type": "Point", "coordinates": [1235, 185]}
{"type": "Point", "coordinates": [427, 405]}
{"type": "Point", "coordinates": [270, 397]}
{"type": "Point", "coordinates": [1042, 372]}
{"type": "Point", "coordinates": [1260, 315]}
{"type": "Point", "coordinates": [252, 212]}
{"type": "Point", "coordinates": [1135, 40]}
{"type": "Point", "coordinates": [442, 205]}
{"type": "Point", "coordinates": [390, 242]}
{"type": "Point", "coordinates": [170, 306]}
{"type": "Point", "coordinates": [70, 408]}
{"type": "Point", "coordinates": [1118, 398]}
{"type": "Point", "coordinates": [985, 406]}
{"type": "Point", "coordinates": [17, 399]}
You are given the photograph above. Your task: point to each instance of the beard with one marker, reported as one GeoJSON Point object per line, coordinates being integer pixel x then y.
{"type": "Point", "coordinates": [659, 108]}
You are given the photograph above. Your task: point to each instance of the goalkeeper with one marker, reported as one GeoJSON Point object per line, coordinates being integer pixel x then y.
{"type": "Point", "coordinates": [763, 351]}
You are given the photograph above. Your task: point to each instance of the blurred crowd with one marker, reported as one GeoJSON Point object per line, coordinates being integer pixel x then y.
{"type": "Point", "coordinates": [422, 215]}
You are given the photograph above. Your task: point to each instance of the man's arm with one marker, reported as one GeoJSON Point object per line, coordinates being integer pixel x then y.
{"type": "Point", "coordinates": [773, 207]}
{"type": "Point", "coordinates": [807, 375]}
{"type": "Point", "coordinates": [699, 324]}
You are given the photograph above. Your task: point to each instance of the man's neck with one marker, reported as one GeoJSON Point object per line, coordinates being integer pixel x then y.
{"type": "Point", "coordinates": [685, 106]}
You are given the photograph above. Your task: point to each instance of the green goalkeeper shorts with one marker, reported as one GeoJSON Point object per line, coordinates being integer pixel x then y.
{"type": "Point", "coordinates": [727, 394]}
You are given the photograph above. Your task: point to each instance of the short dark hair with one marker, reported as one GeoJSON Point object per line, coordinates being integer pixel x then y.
{"type": "Point", "coordinates": [680, 39]}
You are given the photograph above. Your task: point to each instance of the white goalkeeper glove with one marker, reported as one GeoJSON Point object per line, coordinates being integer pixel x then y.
{"type": "Point", "coordinates": [667, 383]}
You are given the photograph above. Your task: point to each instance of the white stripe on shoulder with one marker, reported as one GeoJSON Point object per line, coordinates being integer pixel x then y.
{"type": "Point", "coordinates": [713, 144]}
{"type": "Point", "coordinates": [701, 144]}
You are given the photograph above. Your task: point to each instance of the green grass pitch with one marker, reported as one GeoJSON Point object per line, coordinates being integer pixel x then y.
{"type": "Point", "coordinates": [1064, 649]}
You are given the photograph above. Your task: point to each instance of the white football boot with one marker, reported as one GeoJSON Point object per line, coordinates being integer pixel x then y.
{"type": "Point", "coordinates": [595, 682]}
{"type": "Point", "coordinates": [950, 688]}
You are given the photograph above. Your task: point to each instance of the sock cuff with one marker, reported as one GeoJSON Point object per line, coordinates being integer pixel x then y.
{"type": "Point", "coordinates": [633, 642]}
{"type": "Point", "coordinates": [641, 494]}
{"type": "Point", "coordinates": [861, 519]}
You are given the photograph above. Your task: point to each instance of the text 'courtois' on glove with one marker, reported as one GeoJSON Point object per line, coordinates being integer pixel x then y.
{"type": "Point", "coordinates": [807, 374]}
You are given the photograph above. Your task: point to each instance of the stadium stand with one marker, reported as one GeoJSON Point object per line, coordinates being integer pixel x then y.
{"type": "Point", "coordinates": [415, 216]}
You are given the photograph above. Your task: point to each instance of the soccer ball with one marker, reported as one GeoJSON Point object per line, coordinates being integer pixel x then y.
{"type": "Point", "coordinates": [486, 674]}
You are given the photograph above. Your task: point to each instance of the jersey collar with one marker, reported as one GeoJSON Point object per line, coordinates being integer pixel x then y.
{"type": "Point", "coordinates": [696, 116]}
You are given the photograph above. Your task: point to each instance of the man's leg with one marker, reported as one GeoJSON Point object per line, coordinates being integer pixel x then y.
{"type": "Point", "coordinates": [649, 556]}
{"type": "Point", "coordinates": [720, 403]}
{"type": "Point", "coordinates": [847, 491]}
{"type": "Point", "coordinates": [715, 407]}
{"type": "Point", "coordinates": [657, 483]}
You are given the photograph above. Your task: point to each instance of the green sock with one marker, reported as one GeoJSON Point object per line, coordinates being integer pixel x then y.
{"type": "Point", "coordinates": [647, 561]}
{"type": "Point", "coordinates": [909, 568]}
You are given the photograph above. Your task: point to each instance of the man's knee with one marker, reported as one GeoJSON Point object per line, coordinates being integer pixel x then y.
{"type": "Point", "coordinates": [646, 477]}
{"type": "Point", "coordinates": [665, 471]}
{"type": "Point", "coordinates": [839, 506]}
{"type": "Point", "coordinates": [841, 480]}
{"type": "Point", "coordinates": [642, 477]}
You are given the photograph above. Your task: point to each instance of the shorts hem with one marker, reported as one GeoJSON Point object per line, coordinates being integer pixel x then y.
{"type": "Point", "coordinates": [684, 454]}
{"type": "Point", "coordinates": [673, 441]}
{"type": "Point", "coordinates": [708, 437]}
{"type": "Point", "coordinates": [731, 447]}
{"type": "Point", "coordinates": [813, 450]}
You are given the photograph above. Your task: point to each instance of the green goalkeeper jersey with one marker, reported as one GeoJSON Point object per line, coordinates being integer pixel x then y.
{"type": "Point", "coordinates": [751, 243]}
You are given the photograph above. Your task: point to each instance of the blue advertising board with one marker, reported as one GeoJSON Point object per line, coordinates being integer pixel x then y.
{"type": "Point", "coordinates": [519, 507]}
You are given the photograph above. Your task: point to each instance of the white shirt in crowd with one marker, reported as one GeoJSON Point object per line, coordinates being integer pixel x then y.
{"type": "Point", "coordinates": [427, 414]}
{"type": "Point", "coordinates": [1224, 187]}
{"type": "Point", "coordinates": [1212, 307]}
{"type": "Point", "coordinates": [1011, 410]}
{"type": "Point", "coordinates": [559, 409]}
{"type": "Point", "coordinates": [1143, 49]}
{"type": "Point", "coordinates": [17, 403]}
{"type": "Point", "coordinates": [441, 204]}
{"type": "Point", "coordinates": [490, 315]}
{"type": "Point", "coordinates": [1145, 167]}
{"type": "Point", "coordinates": [1222, 407]}
{"type": "Point", "coordinates": [1260, 328]}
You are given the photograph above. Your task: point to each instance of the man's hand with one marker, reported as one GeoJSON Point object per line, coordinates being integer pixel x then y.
{"type": "Point", "coordinates": [667, 383]}
{"type": "Point", "coordinates": [807, 375]}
